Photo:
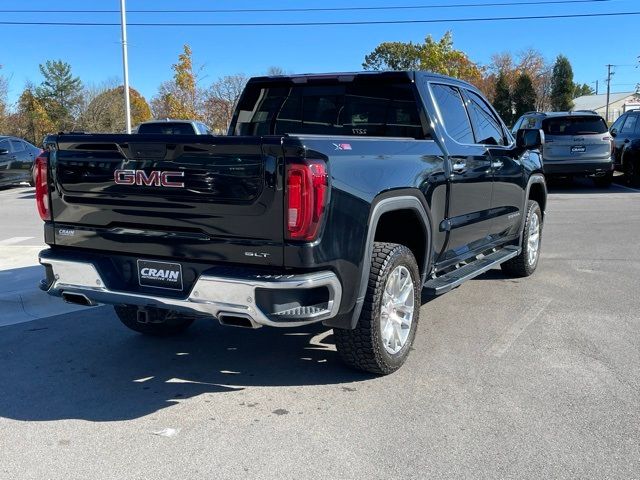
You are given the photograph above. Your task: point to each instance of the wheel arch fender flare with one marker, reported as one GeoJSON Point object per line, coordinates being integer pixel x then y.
{"type": "Point", "coordinates": [536, 178]}
{"type": "Point", "coordinates": [406, 199]}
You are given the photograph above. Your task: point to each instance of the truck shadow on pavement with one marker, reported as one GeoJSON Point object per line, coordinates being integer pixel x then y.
{"type": "Point", "coordinates": [86, 365]}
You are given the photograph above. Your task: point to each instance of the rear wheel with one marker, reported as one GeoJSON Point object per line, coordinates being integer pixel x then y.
{"type": "Point", "coordinates": [604, 181]}
{"type": "Point", "coordinates": [525, 264]}
{"type": "Point", "coordinates": [153, 321]}
{"type": "Point", "coordinates": [631, 169]}
{"type": "Point", "coordinates": [381, 341]}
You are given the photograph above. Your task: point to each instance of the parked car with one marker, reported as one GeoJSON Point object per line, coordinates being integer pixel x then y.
{"type": "Point", "coordinates": [335, 198]}
{"type": "Point", "coordinates": [174, 127]}
{"type": "Point", "coordinates": [575, 144]}
{"type": "Point", "coordinates": [626, 136]}
{"type": "Point", "coordinates": [16, 160]}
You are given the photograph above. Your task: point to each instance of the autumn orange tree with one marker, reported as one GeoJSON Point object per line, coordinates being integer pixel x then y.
{"type": "Point", "coordinates": [180, 97]}
{"type": "Point", "coordinates": [31, 120]}
{"type": "Point", "coordinates": [105, 110]}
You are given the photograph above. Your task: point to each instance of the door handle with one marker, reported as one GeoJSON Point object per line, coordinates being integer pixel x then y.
{"type": "Point", "coordinates": [497, 164]}
{"type": "Point", "coordinates": [459, 166]}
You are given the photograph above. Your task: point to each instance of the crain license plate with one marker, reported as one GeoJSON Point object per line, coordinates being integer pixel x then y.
{"type": "Point", "coordinates": [160, 274]}
{"type": "Point", "coordinates": [578, 149]}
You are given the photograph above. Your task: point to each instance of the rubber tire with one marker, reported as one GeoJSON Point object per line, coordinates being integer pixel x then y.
{"type": "Point", "coordinates": [632, 172]}
{"type": "Point", "coordinates": [519, 266]}
{"type": "Point", "coordinates": [604, 182]}
{"type": "Point", "coordinates": [362, 347]}
{"type": "Point", "coordinates": [164, 324]}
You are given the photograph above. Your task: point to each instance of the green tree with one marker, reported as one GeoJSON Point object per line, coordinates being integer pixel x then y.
{"type": "Point", "coordinates": [179, 98]}
{"type": "Point", "coordinates": [31, 120]}
{"type": "Point", "coordinates": [562, 86]}
{"type": "Point", "coordinates": [105, 112]}
{"type": "Point", "coordinates": [60, 93]}
{"type": "Point", "coordinates": [502, 100]}
{"type": "Point", "coordinates": [580, 90]}
{"type": "Point", "coordinates": [524, 95]}
{"type": "Point", "coordinates": [435, 56]}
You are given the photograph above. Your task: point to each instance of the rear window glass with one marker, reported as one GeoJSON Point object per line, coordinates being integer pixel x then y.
{"type": "Point", "coordinates": [167, 128]}
{"type": "Point", "coordinates": [574, 126]}
{"type": "Point", "coordinates": [384, 110]}
{"type": "Point", "coordinates": [454, 115]}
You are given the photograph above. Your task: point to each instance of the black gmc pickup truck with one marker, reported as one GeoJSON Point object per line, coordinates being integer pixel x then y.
{"type": "Point", "coordinates": [337, 198]}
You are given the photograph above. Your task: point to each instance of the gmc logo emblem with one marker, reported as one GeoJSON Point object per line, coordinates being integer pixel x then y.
{"type": "Point", "coordinates": [154, 178]}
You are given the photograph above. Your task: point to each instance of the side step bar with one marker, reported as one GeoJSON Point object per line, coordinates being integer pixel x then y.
{"type": "Point", "coordinates": [448, 281]}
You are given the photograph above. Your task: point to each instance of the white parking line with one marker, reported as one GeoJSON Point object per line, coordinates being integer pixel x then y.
{"type": "Point", "coordinates": [627, 188]}
{"type": "Point", "coordinates": [504, 342]}
{"type": "Point", "coordinates": [14, 240]}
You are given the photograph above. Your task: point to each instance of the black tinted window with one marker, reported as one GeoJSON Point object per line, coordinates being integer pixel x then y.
{"type": "Point", "coordinates": [574, 125]}
{"type": "Point", "coordinates": [488, 128]}
{"type": "Point", "coordinates": [167, 128]}
{"type": "Point", "coordinates": [385, 110]}
{"type": "Point", "coordinates": [630, 124]}
{"type": "Point", "coordinates": [454, 115]}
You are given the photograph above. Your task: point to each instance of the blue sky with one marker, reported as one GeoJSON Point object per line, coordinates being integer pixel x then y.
{"type": "Point", "coordinates": [95, 53]}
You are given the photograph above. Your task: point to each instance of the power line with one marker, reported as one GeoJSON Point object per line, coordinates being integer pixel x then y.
{"type": "Point", "coordinates": [314, 24]}
{"type": "Point", "coordinates": [324, 9]}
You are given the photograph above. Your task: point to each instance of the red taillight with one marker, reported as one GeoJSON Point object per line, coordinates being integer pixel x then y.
{"type": "Point", "coordinates": [306, 198]}
{"type": "Point", "coordinates": [42, 186]}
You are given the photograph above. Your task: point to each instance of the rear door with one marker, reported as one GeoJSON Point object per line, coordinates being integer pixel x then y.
{"type": "Point", "coordinates": [192, 197]}
{"type": "Point", "coordinates": [576, 139]}
{"type": "Point", "coordinates": [471, 178]}
{"type": "Point", "coordinates": [506, 168]}
{"type": "Point", "coordinates": [626, 134]}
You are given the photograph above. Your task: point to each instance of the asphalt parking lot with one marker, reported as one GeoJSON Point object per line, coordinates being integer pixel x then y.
{"type": "Point", "coordinates": [534, 378]}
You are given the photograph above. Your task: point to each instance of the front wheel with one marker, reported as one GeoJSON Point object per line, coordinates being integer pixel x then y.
{"type": "Point", "coordinates": [525, 264]}
{"type": "Point", "coordinates": [153, 321]}
{"type": "Point", "coordinates": [381, 341]}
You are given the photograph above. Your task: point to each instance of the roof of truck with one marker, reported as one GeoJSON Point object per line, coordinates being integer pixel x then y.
{"type": "Point", "coordinates": [348, 76]}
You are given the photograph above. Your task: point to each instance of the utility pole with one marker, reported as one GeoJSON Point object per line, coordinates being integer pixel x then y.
{"type": "Point", "coordinates": [608, 90]}
{"type": "Point", "coordinates": [125, 64]}
{"type": "Point", "coordinates": [596, 87]}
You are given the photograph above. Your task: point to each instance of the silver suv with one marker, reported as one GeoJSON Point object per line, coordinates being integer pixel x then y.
{"type": "Point", "coordinates": [575, 144]}
{"type": "Point", "coordinates": [174, 127]}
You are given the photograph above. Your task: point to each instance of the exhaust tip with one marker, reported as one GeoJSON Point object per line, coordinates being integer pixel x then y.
{"type": "Point", "coordinates": [237, 320]}
{"type": "Point", "coordinates": [77, 299]}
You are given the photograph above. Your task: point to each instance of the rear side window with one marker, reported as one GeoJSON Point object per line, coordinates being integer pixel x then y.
{"type": "Point", "coordinates": [630, 124]}
{"type": "Point", "coordinates": [371, 109]}
{"type": "Point", "coordinates": [454, 115]}
{"type": "Point", "coordinates": [489, 131]}
{"type": "Point", "coordinates": [167, 128]}
{"type": "Point", "coordinates": [4, 145]}
{"type": "Point", "coordinates": [574, 125]}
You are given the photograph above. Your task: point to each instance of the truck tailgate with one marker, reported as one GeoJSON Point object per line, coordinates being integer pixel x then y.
{"type": "Point", "coordinates": [208, 198]}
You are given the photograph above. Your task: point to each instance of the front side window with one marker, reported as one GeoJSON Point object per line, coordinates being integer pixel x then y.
{"type": "Point", "coordinates": [488, 128]}
{"type": "Point", "coordinates": [618, 123]}
{"type": "Point", "coordinates": [454, 114]}
{"type": "Point", "coordinates": [4, 145]}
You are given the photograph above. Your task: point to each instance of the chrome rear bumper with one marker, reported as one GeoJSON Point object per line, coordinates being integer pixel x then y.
{"type": "Point", "coordinates": [213, 296]}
